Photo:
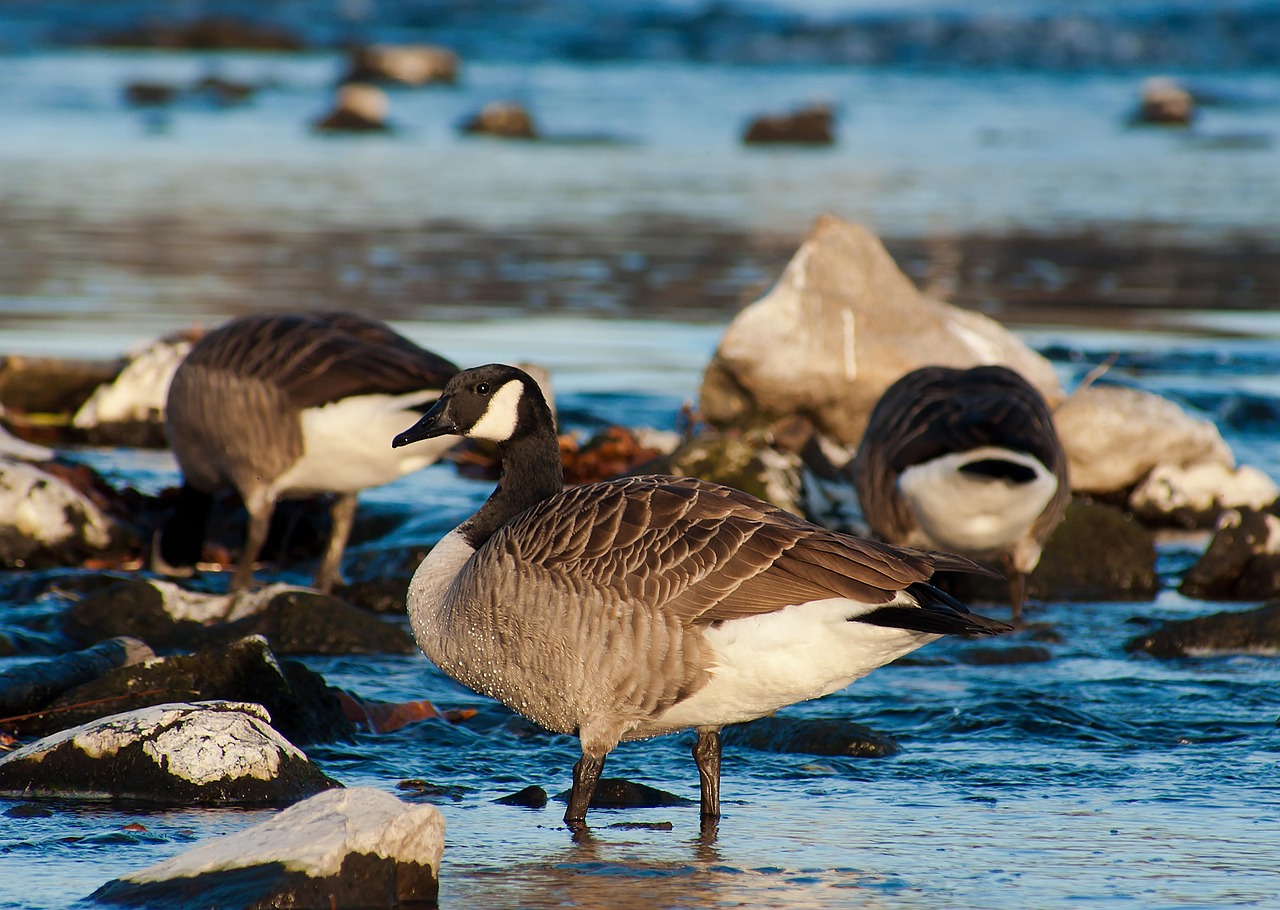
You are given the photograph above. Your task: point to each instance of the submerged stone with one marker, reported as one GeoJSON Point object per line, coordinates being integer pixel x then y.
{"type": "Point", "coordinates": [618, 793]}
{"type": "Point", "coordinates": [1254, 631]}
{"type": "Point", "coordinates": [810, 736]}
{"type": "Point", "coordinates": [211, 753]}
{"type": "Point", "coordinates": [346, 848]}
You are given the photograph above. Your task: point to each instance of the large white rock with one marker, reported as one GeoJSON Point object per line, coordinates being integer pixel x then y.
{"type": "Point", "coordinates": [1115, 436]}
{"type": "Point", "coordinates": [344, 848]}
{"type": "Point", "coordinates": [842, 324]}
{"type": "Point", "coordinates": [207, 752]}
{"type": "Point", "coordinates": [41, 513]}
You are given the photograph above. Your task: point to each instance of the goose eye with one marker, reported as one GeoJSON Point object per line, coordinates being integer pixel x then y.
{"type": "Point", "coordinates": [482, 388]}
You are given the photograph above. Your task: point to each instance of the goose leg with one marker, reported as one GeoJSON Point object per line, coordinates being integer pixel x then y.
{"type": "Point", "coordinates": [259, 524]}
{"type": "Point", "coordinates": [342, 514]}
{"type": "Point", "coordinates": [1017, 590]}
{"type": "Point", "coordinates": [586, 774]}
{"type": "Point", "coordinates": [706, 754]}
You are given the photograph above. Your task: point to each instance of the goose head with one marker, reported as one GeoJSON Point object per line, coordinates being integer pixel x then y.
{"type": "Point", "coordinates": [495, 402]}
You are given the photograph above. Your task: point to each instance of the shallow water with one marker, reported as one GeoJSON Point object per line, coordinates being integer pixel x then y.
{"type": "Point", "coordinates": [1095, 779]}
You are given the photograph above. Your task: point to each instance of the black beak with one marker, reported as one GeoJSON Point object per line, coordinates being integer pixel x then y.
{"type": "Point", "coordinates": [433, 423]}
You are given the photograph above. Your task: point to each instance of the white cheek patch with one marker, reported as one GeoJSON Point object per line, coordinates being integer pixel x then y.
{"type": "Point", "coordinates": [498, 422]}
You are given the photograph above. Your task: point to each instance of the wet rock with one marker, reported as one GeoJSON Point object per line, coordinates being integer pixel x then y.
{"type": "Point", "coordinates": [811, 125]}
{"type": "Point", "coordinates": [416, 787]}
{"type": "Point", "coordinates": [1254, 631]}
{"type": "Point", "coordinates": [1098, 552]}
{"type": "Point", "coordinates": [129, 410]}
{"type": "Point", "coordinates": [50, 386]}
{"type": "Point", "coordinates": [357, 108]}
{"type": "Point", "coordinates": [745, 460]}
{"type": "Point", "coordinates": [842, 324]}
{"type": "Point", "coordinates": [1003, 656]}
{"type": "Point", "coordinates": [1164, 103]}
{"type": "Point", "coordinates": [503, 119]}
{"type": "Point", "coordinates": [13, 447]}
{"type": "Point", "coordinates": [214, 753]}
{"type": "Point", "coordinates": [1194, 497]}
{"type": "Point", "coordinates": [209, 33]}
{"type": "Point", "coordinates": [305, 710]}
{"type": "Point", "coordinates": [223, 92]}
{"type": "Point", "coordinates": [294, 620]}
{"type": "Point", "coordinates": [617, 793]}
{"type": "Point", "coordinates": [346, 848]}
{"type": "Point", "coordinates": [1242, 561]}
{"type": "Point", "coordinates": [149, 94]}
{"type": "Point", "coordinates": [402, 64]}
{"type": "Point", "coordinates": [531, 797]}
{"type": "Point", "coordinates": [810, 736]}
{"type": "Point", "coordinates": [612, 451]}
{"type": "Point", "coordinates": [1116, 436]}
{"type": "Point", "coordinates": [25, 688]}
{"type": "Point", "coordinates": [45, 520]}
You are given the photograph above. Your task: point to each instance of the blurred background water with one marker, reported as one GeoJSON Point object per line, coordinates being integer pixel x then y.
{"type": "Point", "coordinates": [987, 142]}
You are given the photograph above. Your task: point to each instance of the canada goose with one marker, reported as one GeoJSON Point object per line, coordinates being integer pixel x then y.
{"type": "Point", "coordinates": [282, 405]}
{"type": "Point", "coordinates": [966, 461]}
{"type": "Point", "coordinates": [644, 605]}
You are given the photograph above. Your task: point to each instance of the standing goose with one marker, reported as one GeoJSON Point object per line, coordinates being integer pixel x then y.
{"type": "Point", "coordinates": [286, 405]}
{"type": "Point", "coordinates": [966, 461]}
{"type": "Point", "coordinates": [645, 605]}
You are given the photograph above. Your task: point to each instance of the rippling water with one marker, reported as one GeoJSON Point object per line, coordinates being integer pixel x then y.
{"type": "Point", "coordinates": [1096, 778]}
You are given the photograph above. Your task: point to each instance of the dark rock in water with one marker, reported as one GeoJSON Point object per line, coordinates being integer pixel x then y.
{"type": "Point", "coordinates": [1254, 631]}
{"type": "Point", "coordinates": [996, 656]}
{"type": "Point", "coordinates": [810, 736]}
{"type": "Point", "coordinates": [215, 753]}
{"type": "Point", "coordinates": [349, 848]}
{"type": "Point", "coordinates": [503, 119]}
{"type": "Point", "coordinates": [304, 709]}
{"type": "Point", "coordinates": [380, 595]}
{"type": "Point", "coordinates": [358, 108]}
{"type": "Point", "coordinates": [812, 125]}
{"type": "Point", "coordinates": [531, 797]}
{"type": "Point", "coordinates": [28, 810]}
{"type": "Point", "coordinates": [429, 791]}
{"type": "Point", "coordinates": [1098, 552]}
{"type": "Point", "coordinates": [210, 33]}
{"type": "Point", "coordinates": [617, 793]}
{"type": "Point", "coordinates": [293, 620]}
{"type": "Point", "coordinates": [402, 64]}
{"type": "Point", "coordinates": [1242, 561]}
{"type": "Point", "coordinates": [143, 94]}
{"type": "Point", "coordinates": [51, 385]}
{"type": "Point", "coordinates": [25, 688]}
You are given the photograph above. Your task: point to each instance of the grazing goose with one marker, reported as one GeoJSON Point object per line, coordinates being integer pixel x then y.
{"type": "Point", "coordinates": [633, 607]}
{"type": "Point", "coordinates": [285, 405]}
{"type": "Point", "coordinates": [966, 461]}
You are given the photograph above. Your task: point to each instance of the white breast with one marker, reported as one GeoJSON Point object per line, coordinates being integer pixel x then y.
{"type": "Point", "coordinates": [763, 663]}
{"type": "Point", "coordinates": [346, 444]}
{"type": "Point", "coordinates": [967, 513]}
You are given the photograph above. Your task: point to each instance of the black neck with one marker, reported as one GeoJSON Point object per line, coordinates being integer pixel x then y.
{"type": "Point", "coordinates": [531, 472]}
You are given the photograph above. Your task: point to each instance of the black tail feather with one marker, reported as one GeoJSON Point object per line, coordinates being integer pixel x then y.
{"type": "Point", "coordinates": [938, 613]}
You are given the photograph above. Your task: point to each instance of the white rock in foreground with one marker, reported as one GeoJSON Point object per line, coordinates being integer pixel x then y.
{"type": "Point", "coordinates": [344, 848]}
{"type": "Point", "coordinates": [842, 324]}
{"type": "Point", "coordinates": [1115, 436]}
{"type": "Point", "coordinates": [208, 752]}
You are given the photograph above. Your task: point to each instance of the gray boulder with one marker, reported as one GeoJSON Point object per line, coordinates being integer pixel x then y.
{"type": "Point", "coordinates": [45, 520]}
{"type": "Point", "coordinates": [841, 324]}
{"type": "Point", "coordinates": [346, 848]}
{"type": "Point", "coordinates": [1254, 631]}
{"type": "Point", "coordinates": [210, 753]}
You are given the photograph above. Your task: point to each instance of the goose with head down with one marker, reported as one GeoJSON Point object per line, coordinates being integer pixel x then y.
{"type": "Point", "coordinates": [966, 461]}
{"type": "Point", "coordinates": [645, 605]}
{"type": "Point", "coordinates": [282, 405]}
